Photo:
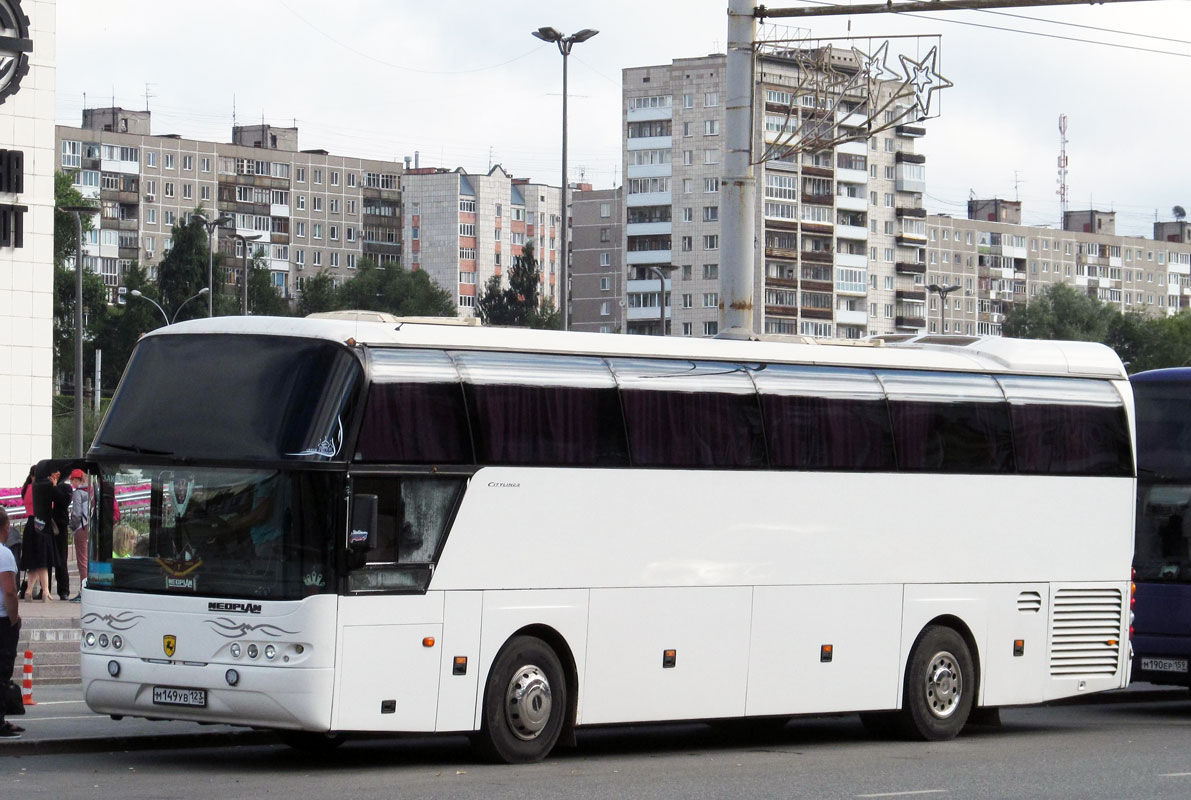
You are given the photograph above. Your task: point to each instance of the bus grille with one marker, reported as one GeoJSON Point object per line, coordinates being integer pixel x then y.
{"type": "Point", "coordinates": [1085, 632]}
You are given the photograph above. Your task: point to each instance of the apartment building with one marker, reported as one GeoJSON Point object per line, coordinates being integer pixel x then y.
{"type": "Point", "coordinates": [463, 228]}
{"type": "Point", "coordinates": [311, 211]}
{"type": "Point", "coordinates": [597, 259]}
{"type": "Point", "coordinates": [841, 234]}
{"type": "Point", "coordinates": [998, 262]}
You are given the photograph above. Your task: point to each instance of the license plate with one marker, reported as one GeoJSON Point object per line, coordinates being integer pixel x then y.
{"type": "Point", "coordinates": [1164, 664]}
{"type": "Point", "coordinates": [173, 696]}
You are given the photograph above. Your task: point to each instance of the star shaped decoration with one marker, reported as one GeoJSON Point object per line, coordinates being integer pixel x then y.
{"type": "Point", "coordinates": [925, 80]}
{"type": "Point", "coordinates": [873, 67]}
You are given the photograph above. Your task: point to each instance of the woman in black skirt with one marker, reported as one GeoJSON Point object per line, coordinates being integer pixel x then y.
{"type": "Point", "coordinates": [36, 548]}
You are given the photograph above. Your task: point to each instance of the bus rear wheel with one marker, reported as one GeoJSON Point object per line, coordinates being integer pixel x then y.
{"type": "Point", "coordinates": [525, 702]}
{"type": "Point", "coordinates": [940, 686]}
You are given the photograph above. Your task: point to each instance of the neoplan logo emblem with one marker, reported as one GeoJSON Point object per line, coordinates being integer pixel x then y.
{"type": "Point", "coordinates": [169, 643]}
{"type": "Point", "coordinates": [15, 46]}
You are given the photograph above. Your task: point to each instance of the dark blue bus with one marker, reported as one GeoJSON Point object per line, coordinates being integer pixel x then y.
{"type": "Point", "coordinates": [1162, 550]}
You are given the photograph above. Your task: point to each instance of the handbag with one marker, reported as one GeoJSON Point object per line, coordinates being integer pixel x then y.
{"type": "Point", "coordinates": [14, 704]}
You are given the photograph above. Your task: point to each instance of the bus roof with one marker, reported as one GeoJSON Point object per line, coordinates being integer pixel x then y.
{"type": "Point", "coordinates": [956, 353]}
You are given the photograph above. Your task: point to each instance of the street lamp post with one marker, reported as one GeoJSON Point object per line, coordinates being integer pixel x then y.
{"type": "Point", "coordinates": [661, 272]}
{"type": "Point", "coordinates": [244, 240]}
{"type": "Point", "coordinates": [211, 225]}
{"type": "Point", "coordinates": [564, 46]}
{"type": "Point", "coordinates": [942, 292]}
{"type": "Point", "coordinates": [165, 316]}
{"type": "Point", "coordinates": [78, 212]}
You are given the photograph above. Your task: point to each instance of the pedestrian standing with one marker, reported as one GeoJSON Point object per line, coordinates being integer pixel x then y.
{"type": "Point", "coordinates": [27, 501]}
{"type": "Point", "coordinates": [10, 622]}
{"type": "Point", "coordinates": [60, 512]}
{"type": "Point", "coordinates": [80, 523]}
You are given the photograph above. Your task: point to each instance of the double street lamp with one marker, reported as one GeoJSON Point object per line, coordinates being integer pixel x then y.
{"type": "Point", "coordinates": [942, 292]}
{"type": "Point", "coordinates": [211, 225]}
{"type": "Point", "coordinates": [168, 320]}
{"type": "Point", "coordinates": [565, 43]}
{"type": "Point", "coordinates": [662, 272]}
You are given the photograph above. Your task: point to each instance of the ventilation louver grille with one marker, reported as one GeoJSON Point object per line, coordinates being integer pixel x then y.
{"type": "Point", "coordinates": [1085, 632]}
{"type": "Point", "coordinates": [1029, 602]}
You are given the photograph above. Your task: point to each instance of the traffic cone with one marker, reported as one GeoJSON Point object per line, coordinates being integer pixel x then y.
{"type": "Point", "coordinates": [27, 680]}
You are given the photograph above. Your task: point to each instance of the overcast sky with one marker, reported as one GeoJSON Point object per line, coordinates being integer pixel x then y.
{"type": "Point", "coordinates": [464, 83]}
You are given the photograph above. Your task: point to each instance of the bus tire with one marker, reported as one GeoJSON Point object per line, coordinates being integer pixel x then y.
{"type": "Point", "coordinates": [525, 703]}
{"type": "Point", "coordinates": [940, 686]}
{"type": "Point", "coordinates": [312, 743]}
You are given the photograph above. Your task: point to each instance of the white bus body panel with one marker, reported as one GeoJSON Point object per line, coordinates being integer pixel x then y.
{"type": "Point", "coordinates": [790, 625]}
{"type": "Point", "coordinates": [282, 694]}
{"type": "Point", "coordinates": [463, 613]}
{"type": "Point", "coordinates": [382, 657]}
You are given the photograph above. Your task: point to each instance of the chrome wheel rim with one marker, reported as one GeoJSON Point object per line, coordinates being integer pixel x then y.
{"type": "Point", "coordinates": [944, 684]}
{"type": "Point", "coordinates": [528, 702]}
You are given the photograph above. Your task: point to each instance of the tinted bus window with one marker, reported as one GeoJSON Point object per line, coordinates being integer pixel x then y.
{"type": "Point", "coordinates": [948, 422]}
{"type": "Point", "coordinates": [1064, 426]}
{"type": "Point", "coordinates": [233, 396]}
{"type": "Point", "coordinates": [824, 418]}
{"type": "Point", "coordinates": [543, 409]}
{"type": "Point", "coordinates": [415, 412]}
{"type": "Point", "coordinates": [690, 413]}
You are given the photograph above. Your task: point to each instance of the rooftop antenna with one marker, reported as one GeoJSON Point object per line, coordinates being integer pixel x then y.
{"type": "Point", "coordinates": [233, 111]}
{"type": "Point", "coordinates": [1062, 180]}
{"type": "Point", "coordinates": [147, 96]}
{"type": "Point", "coordinates": [1179, 212]}
{"type": "Point", "coordinates": [1017, 182]}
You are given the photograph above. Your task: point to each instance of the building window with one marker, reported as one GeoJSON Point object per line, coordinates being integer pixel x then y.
{"type": "Point", "coordinates": [711, 328]}
{"type": "Point", "coordinates": [605, 284]}
{"type": "Point", "coordinates": [605, 309]}
{"type": "Point", "coordinates": [711, 127]}
{"type": "Point", "coordinates": [711, 241]}
{"type": "Point", "coordinates": [605, 259]}
{"type": "Point", "coordinates": [711, 299]}
{"type": "Point", "coordinates": [605, 210]}
{"type": "Point", "coordinates": [318, 203]}
{"type": "Point", "coordinates": [711, 185]}
{"type": "Point", "coordinates": [169, 160]}
{"type": "Point", "coordinates": [711, 213]}
{"type": "Point", "coordinates": [711, 272]}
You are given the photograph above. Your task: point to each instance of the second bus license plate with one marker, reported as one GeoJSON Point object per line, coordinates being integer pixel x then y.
{"type": "Point", "coordinates": [175, 696]}
{"type": "Point", "coordinates": [1164, 664]}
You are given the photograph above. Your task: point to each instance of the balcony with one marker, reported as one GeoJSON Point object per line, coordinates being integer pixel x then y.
{"type": "Point", "coordinates": [647, 314]}
{"type": "Point", "coordinates": [909, 158]}
{"type": "Point", "coordinates": [911, 131]}
{"type": "Point", "coordinates": [785, 283]}
{"type": "Point", "coordinates": [818, 199]}
{"type": "Point", "coordinates": [647, 199]}
{"type": "Point", "coordinates": [811, 171]}
{"type": "Point", "coordinates": [818, 256]}
{"type": "Point", "coordinates": [846, 317]}
{"type": "Point", "coordinates": [909, 322]}
{"type": "Point", "coordinates": [847, 203]}
{"type": "Point", "coordinates": [852, 232]}
{"type": "Point", "coordinates": [648, 256]}
{"type": "Point", "coordinates": [844, 175]}
{"type": "Point", "coordinates": [817, 286]}
{"type": "Point", "coordinates": [911, 295]}
{"type": "Point", "coordinates": [816, 313]}
{"type": "Point", "coordinates": [649, 143]}
{"type": "Point", "coordinates": [781, 311]}
{"type": "Point", "coordinates": [647, 228]}
{"type": "Point", "coordinates": [910, 268]}
{"type": "Point", "coordinates": [647, 114]}
{"type": "Point", "coordinates": [781, 252]}
{"type": "Point", "coordinates": [853, 260]}
{"type": "Point", "coordinates": [909, 211]}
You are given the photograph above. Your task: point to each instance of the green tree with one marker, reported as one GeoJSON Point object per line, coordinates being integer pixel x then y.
{"type": "Point", "coordinates": [94, 293]}
{"type": "Point", "coordinates": [125, 324]}
{"type": "Point", "coordinates": [318, 295]}
{"type": "Point", "coordinates": [520, 304]}
{"type": "Point", "coordinates": [1061, 312]}
{"type": "Point", "coordinates": [263, 298]}
{"type": "Point", "coordinates": [394, 290]}
{"type": "Point", "coordinates": [182, 273]}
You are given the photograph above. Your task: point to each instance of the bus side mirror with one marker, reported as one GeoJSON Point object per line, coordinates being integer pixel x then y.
{"type": "Point", "coordinates": [361, 536]}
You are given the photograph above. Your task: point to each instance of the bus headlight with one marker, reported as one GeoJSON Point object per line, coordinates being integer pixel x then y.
{"type": "Point", "coordinates": [89, 639]}
{"type": "Point", "coordinates": [236, 650]}
{"type": "Point", "coordinates": [270, 652]}
{"type": "Point", "coordinates": [117, 641]}
{"type": "Point", "coordinates": [103, 640]}
{"type": "Point", "coordinates": [253, 652]}
{"type": "Point", "coordinates": [114, 669]}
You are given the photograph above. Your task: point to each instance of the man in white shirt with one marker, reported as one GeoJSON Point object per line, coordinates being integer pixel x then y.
{"type": "Point", "coordinates": [10, 622]}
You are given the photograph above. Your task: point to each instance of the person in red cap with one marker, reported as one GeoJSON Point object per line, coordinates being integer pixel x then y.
{"type": "Point", "coordinates": [80, 522]}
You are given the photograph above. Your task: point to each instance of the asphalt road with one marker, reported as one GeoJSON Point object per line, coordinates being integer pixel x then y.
{"type": "Point", "coordinates": [1138, 746]}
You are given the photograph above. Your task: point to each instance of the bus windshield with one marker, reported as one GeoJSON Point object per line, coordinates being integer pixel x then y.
{"type": "Point", "coordinates": [1163, 545]}
{"type": "Point", "coordinates": [250, 533]}
{"type": "Point", "coordinates": [232, 397]}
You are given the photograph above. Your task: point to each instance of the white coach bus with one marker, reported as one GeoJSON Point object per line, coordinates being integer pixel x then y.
{"type": "Point", "coordinates": [369, 526]}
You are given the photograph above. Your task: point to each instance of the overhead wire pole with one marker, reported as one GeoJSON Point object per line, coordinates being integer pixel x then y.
{"type": "Point", "coordinates": [738, 186]}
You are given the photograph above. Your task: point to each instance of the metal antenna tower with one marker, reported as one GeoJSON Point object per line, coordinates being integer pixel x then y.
{"type": "Point", "coordinates": [1062, 190]}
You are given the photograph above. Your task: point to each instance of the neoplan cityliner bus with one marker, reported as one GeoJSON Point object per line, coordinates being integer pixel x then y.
{"type": "Point", "coordinates": [402, 527]}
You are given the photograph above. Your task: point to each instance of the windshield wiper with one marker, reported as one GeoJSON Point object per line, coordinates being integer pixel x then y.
{"type": "Point", "coordinates": [144, 451]}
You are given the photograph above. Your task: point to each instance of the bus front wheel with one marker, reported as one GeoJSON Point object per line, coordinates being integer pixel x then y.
{"type": "Point", "coordinates": [525, 702]}
{"type": "Point", "coordinates": [940, 686]}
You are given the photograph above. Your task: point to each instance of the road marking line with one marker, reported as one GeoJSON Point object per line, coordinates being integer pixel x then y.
{"type": "Point", "coordinates": [1176, 775]}
{"type": "Point", "coordinates": [57, 702]}
{"type": "Point", "coordinates": [46, 719]}
{"type": "Point", "coordinates": [905, 794]}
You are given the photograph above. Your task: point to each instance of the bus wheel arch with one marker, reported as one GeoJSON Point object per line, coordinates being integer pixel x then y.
{"type": "Point", "coordinates": [528, 697]}
{"type": "Point", "coordinates": [941, 681]}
